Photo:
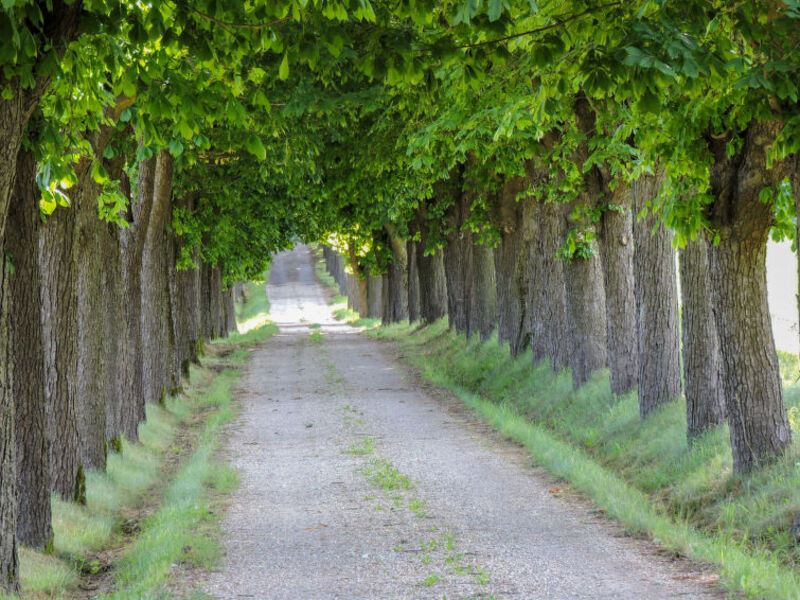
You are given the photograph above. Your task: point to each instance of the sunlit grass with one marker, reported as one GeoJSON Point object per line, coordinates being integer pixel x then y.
{"type": "Point", "coordinates": [645, 474]}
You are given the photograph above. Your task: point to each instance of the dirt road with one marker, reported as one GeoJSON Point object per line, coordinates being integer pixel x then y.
{"type": "Point", "coordinates": [359, 482]}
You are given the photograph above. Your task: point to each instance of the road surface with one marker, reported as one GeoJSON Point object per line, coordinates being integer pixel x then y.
{"type": "Point", "coordinates": [358, 481]}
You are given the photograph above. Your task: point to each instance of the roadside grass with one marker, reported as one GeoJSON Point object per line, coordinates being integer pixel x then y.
{"type": "Point", "coordinates": [183, 529]}
{"type": "Point", "coordinates": [643, 474]}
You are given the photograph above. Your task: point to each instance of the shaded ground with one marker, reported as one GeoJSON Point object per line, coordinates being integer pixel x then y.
{"type": "Point", "coordinates": [358, 481]}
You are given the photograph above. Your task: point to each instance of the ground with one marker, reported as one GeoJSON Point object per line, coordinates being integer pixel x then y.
{"type": "Point", "coordinates": [359, 481]}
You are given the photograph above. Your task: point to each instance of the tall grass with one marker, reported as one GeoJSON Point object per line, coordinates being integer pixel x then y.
{"type": "Point", "coordinates": [645, 474]}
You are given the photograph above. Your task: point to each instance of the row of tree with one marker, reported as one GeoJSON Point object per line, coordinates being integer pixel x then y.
{"type": "Point", "coordinates": [490, 157]}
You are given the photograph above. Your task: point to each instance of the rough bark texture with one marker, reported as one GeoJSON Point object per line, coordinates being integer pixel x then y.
{"type": "Point", "coordinates": [374, 296]}
{"type": "Point", "coordinates": [155, 286]}
{"type": "Point", "coordinates": [414, 313]}
{"type": "Point", "coordinates": [351, 287]}
{"type": "Point", "coordinates": [753, 393]}
{"type": "Point", "coordinates": [617, 250]}
{"type": "Point", "coordinates": [60, 344]}
{"type": "Point", "coordinates": [9, 567]}
{"type": "Point", "coordinates": [511, 270]}
{"type": "Point", "coordinates": [553, 284]}
{"type": "Point", "coordinates": [457, 255]}
{"type": "Point", "coordinates": [132, 243]}
{"type": "Point", "coordinates": [34, 526]}
{"type": "Point", "coordinates": [395, 296]}
{"type": "Point", "coordinates": [658, 340]}
{"type": "Point", "coordinates": [535, 263]}
{"type": "Point", "coordinates": [482, 308]}
{"type": "Point", "coordinates": [702, 367]}
{"type": "Point", "coordinates": [117, 375]}
{"type": "Point", "coordinates": [586, 315]}
{"type": "Point", "coordinates": [431, 275]}
{"type": "Point", "coordinates": [189, 285]}
{"type": "Point", "coordinates": [89, 267]}
{"type": "Point", "coordinates": [229, 310]}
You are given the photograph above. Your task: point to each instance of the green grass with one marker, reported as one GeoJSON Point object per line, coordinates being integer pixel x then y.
{"type": "Point", "coordinates": [644, 474]}
{"type": "Point", "coordinates": [181, 531]}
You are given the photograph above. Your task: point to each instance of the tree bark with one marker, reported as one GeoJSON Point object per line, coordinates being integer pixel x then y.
{"type": "Point", "coordinates": [60, 344]}
{"type": "Point", "coordinates": [457, 262]}
{"type": "Point", "coordinates": [702, 367]}
{"type": "Point", "coordinates": [156, 315]}
{"type": "Point", "coordinates": [34, 527]}
{"type": "Point", "coordinates": [658, 340]}
{"type": "Point", "coordinates": [395, 297]}
{"type": "Point", "coordinates": [482, 309]}
{"type": "Point", "coordinates": [91, 371]}
{"type": "Point", "coordinates": [132, 242]}
{"type": "Point", "coordinates": [414, 313]}
{"type": "Point", "coordinates": [511, 270]}
{"type": "Point", "coordinates": [9, 507]}
{"type": "Point", "coordinates": [586, 314]}
{"type": "Point", "coordinates": [374, 296]}
{"type": "Point", "coordinates": [617, 250]}
{"type": "Point", "coordinates": [754, 403]}
{"type": "Point", "coordinates": [59, 26]}
{"type": "Point", "coordinates": [553, 284]}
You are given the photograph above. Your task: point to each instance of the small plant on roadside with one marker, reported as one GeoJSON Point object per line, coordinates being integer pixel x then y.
{"type": "Point", "coordinates": [362, 448]}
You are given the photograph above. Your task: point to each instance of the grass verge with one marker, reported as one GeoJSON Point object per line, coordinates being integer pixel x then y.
{"type": "Point", "coordinates": [643, 474]}
{"type": "Point", "coordinates": [172, 474]}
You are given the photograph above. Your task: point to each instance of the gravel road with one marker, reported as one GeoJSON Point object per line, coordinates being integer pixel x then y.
{"type": "Point", "coordinates": [358, 481]}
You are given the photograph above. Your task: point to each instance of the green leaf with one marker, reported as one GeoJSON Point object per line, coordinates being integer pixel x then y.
{"type": "Point", "coordinates": [176, 148]}
{"type": "Point", "coordinates": [99, 173]}
{"type": "Point", "coordinates": [283, 71]}
{"type": "Point", "coordinates": [255, 146]}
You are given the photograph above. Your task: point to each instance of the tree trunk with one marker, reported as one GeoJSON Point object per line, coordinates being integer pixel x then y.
{"type": "Point", "coordinates": [482, 309]}
{"type": "Point", "coordinates": [189, 284]}
{"type": "Point", "coordinates": [656, 304]}
{"type": "Point", "coordinates": [414, 313]}
{"type": "Point", "coordinates": [457, 262]}
{"type": "Point", "coordinates": [374, 295]}
{"type": "Point", "coordinates": [586, 314]}
{"type": "Point", "coordinates": [156, 317]}
{"type": "Point", "coordinates": [754, 403]}
{"type": "Point", "coordinates": [432, 281]}
{"type": "Point", "coordinates": [702, 366]}
{"type": "Point", "coordinates": [118, 356]}
{"type": "Point", "coordinates": [553, 284]}
{"type": "Point", "coordinates": [34, 526]}
{"type": "Point", "coordinates": [14, 115]}
{"type": "Point", "coordinates": [60, 344]}
{"type": "Point", "coordinates": [9, 507]}
{"type": "Point", "coordinates": [535, 263]}
{"type": "Point", "coordinates": [230, 311]}
{"type": "Point", "coordinates": [511, 270]}
{"type": "Point", "coordinates": [60, 26]}
{"type": "Point", "coordinates": [91, 297]}
{"type": "Point", "coordinates": [395, 296]}
{"type": "Point", "coordinates": [617, 249]}
{"type": "Point", "coordinates": [132, 242]}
